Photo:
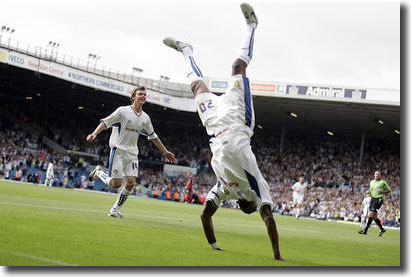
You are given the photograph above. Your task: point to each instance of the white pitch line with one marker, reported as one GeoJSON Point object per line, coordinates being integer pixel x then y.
{"type": "Point", "coordinates": [37, 258]}
{"type": "Point", "coordinates": [142, 216]}
{"type": "Point", "coordinates": [299, 230]}
{"type": "Point", "coordinates": [128, 215]}
{"type": "Point", "coordinates": [83, 210]}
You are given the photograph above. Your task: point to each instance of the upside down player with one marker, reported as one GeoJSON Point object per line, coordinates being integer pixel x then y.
{"type": "Point", "coordinates": [229, 120]}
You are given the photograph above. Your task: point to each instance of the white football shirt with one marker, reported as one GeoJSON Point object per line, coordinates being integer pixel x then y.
{"type": "Point", "coordinates": [301, 189]}
{"type": "Point", "coordinates": [233, 109]}
{"type": "Point", "coordinates": [127, 125]}
{"type": "Point", "coordinates": [50, 169]}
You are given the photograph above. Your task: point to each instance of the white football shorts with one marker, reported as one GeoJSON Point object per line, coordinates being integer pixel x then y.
{"type": "Point", "coordinates": [122, 163]}
{"type": "Point", "coordinates": [365, 212]}
{"type": "Point", "coordinates": [298, 199]}
{"type": "Point", "coordinates": [49, 175]}
{"type": "Point", "coordinates": [236, 168]}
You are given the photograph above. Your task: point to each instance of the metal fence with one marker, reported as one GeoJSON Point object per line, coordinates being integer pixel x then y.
{"type": "Point", "coordinates": [50, 53]}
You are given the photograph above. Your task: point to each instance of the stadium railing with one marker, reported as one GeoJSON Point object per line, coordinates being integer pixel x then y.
{"type": "Point", "coordinates": [51, 54]}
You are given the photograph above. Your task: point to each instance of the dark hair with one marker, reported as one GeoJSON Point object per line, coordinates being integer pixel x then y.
{"type": "Point", "coordinates": [134, 91]}
{"type": "Point", "coordinates": [247, 207]}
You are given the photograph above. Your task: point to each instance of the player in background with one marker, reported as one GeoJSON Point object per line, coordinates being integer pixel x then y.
{"type": "Point", "coordinates": [189, 184]}
{"type": "Point", "coordinates": [298, 195]}
{"type": "Point", "coordinates": [189, 187]}
{"type": "Point", "coordinates": [365, 209]}
{"type": "Point", "coordinates": [49, 175]}
{"type": "Point", "coordinates": [229, 121]}
{"type": "Point", "coordinates": [127, 123]}
{"type": "Point", "coordinates": [378, 188]}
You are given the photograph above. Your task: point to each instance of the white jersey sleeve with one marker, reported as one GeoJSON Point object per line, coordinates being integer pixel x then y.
{"type": "Point", "coordinates": [149, 129]}
{"type": "Point", "coordinates": [304, 186]}
{"type": "Point", "coordinates": [113, 118]}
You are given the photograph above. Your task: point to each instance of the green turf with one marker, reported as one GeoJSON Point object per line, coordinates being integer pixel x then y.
{"type": "Point", "coordinates": [53, 226]}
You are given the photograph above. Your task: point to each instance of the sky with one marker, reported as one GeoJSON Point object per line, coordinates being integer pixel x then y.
{"type": "Point", "coordinates": [331, 43]}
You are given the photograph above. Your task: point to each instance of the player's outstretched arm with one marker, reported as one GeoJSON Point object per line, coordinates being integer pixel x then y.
{"type": "Point", "coordinates": [267, 216]}
{"type": "Point", "coordinates": [207, 221]}
{"type": "Point", "coordinates": [170, 157]}
{"type": "Point", "coordinates": [101, 127]}
{"type": "Point", "coordinates": [387, 189]}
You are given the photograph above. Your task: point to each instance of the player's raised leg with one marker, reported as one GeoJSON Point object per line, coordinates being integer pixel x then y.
{"type": "Point", "coordinates": [99, 173]}
{"type": "Point", "coordinates": [106, 178]}
{"type": "Point", "coordinates": [194, 73]}
{"type": "Point", "coordinates": [246, 50]}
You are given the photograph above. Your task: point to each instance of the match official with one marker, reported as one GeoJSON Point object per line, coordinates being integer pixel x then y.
{"type": "Point", "coordinates": [378, 188]}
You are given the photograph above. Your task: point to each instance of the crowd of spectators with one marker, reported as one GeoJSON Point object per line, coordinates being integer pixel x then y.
{"type": "Point", "coordinates": [337, 179]}
{"type": "Point", "coordinates": [23, 157]}
{"type": "Point", "coordinates": [70, 130]}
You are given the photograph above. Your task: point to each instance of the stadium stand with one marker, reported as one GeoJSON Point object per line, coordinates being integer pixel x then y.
{"type": "Point", "coordinates": [41, 129]}
{"type": "Point", "coordinates": [336, 180]}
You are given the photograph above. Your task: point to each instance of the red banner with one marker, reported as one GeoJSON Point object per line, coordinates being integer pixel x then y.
{"type": "Point", "coordinates": [263, 87]}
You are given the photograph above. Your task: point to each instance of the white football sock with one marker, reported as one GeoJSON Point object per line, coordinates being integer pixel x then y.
{"type": "Point", "coordinates": [122, 197]}
{"type": "Point", "coordinates": [103, 177]}
{"type": "Point", "coordinates": [246, 50]}
{"type": "Point", "coordinates": [194, 72]}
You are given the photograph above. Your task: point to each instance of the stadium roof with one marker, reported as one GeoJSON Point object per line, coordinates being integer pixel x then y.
{"type": "Point", "coordinates": [314, 117]}
{"type": "Point", "coordinates": [319, 116]}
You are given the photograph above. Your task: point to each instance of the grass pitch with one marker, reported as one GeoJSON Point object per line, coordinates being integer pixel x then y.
{"type": "Point", "coordinates": [43, 226]}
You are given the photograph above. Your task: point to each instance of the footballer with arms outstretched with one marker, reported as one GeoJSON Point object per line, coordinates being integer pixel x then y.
{"type": "Point", "coordinates": [127, 123]}
{"type": "Point", "coordinates": [229, 121]}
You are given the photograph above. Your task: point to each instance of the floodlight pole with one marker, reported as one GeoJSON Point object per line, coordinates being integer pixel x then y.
{"type": "Point", "coordinates": [362, 145]}
{"type": "Point", "coordinates": [53, 45]}
{"type": "Point", "coordinates": [282, 139]}
{"type": "Point", "coordinates": [94, 58]}
{"type": "Point", "coordinates": [8, 31]}
{"type": "Point", "coordinates": [137, 71]}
